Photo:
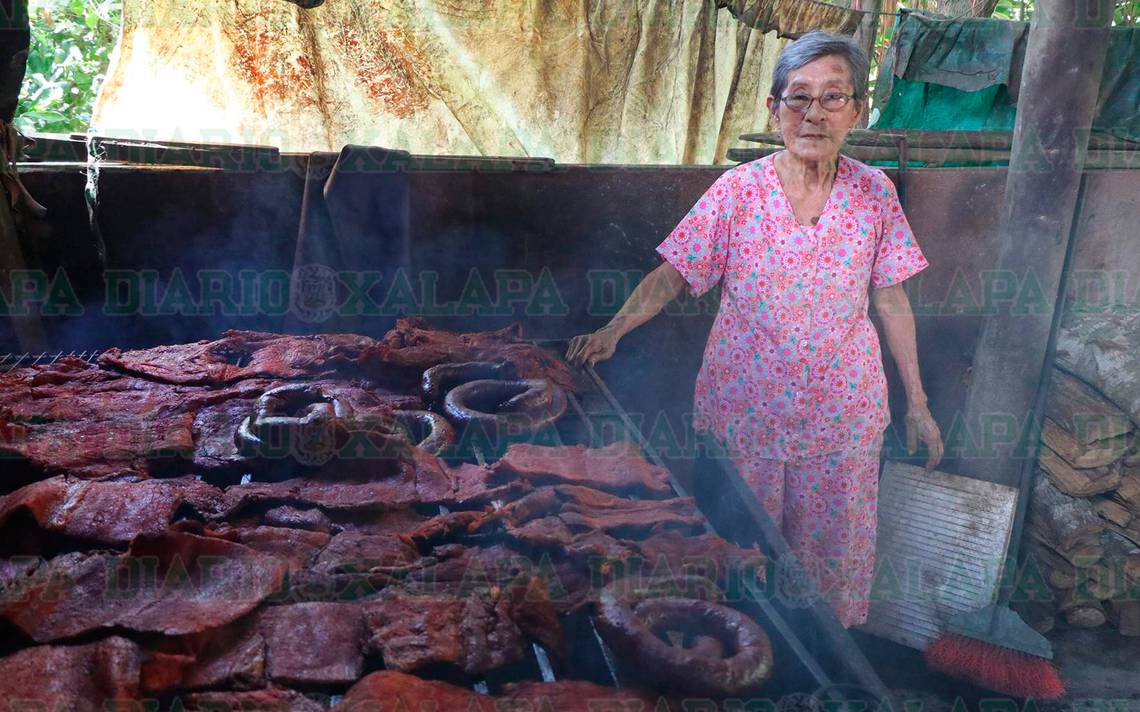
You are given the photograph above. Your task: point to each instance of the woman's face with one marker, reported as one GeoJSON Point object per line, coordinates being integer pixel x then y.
{"type": "Point", "coordinates": [817, 134]}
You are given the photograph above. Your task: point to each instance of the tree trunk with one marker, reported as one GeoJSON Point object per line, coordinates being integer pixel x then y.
{"type": "Point", "coordinates": [865, 36]}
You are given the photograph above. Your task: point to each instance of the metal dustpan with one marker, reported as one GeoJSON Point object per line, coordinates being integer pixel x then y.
{"type": "Point", "coordinates": [997, 625]}
{"type": "Point", "coordinates": [941, 543]}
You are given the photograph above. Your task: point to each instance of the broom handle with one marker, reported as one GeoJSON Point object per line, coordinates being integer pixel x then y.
{"type": "Point", "coordinates": [1032, 434]}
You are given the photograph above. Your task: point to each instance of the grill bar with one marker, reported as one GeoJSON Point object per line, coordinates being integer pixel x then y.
{"type": "Point", "coordinates": [11, 361]}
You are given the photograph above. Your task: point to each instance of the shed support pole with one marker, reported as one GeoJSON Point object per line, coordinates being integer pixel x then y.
{"type": "Point", "coordinates": [865, 36]}
{"type": "Point", "coordinates": [1063, 65]}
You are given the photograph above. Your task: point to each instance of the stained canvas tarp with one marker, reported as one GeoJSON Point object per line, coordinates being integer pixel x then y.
{"type": "Point", "coordinates": [646, 81]}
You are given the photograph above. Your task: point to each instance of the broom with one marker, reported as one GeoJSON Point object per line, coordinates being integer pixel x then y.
{"type": "Point", "coordinates": [993, 647]}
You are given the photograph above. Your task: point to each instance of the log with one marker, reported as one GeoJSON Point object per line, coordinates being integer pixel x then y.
{"type": "Point", "coordinates": [1103, 583]}
{"type": "Point", "coordinates": [1108, 578]}
{"type": "Point", "coordinates": [1076, 598]}
{"type": "Point", "coordinates": [1128, 493]}
{"type": "Point", "coordinates": [1060, 579]}
{"type": "Point", "coordinates": [1131, 533]}
{"type": "Point", "coordinates": [1078, 482]}
{"type": "Point", "coordinates": [1086, 616]}
{"type": "Point", "coordinates": [1040, 616]}
{"type": "Point", "coordinates": [1132, 457]}
{"type": "Point", "coordinates": [1062, 522]}
{"type": "Point", "coordinates": [1097, 454]}
{"type": "Point", "coordinates": [1084, 552]}
{"type": "Point", "coordinates": [1125, 615]}
{"type": "Point", "coordinates": [1044, 624]}
{"type": "Point", "coordinates": [1113, 511]}
{"type": "Point", "coordinates": [1132, 569]}
{"type": "Point", "coordinates": [1047, 558]}
{"type": "Point", "coordinates": [1083, 412]}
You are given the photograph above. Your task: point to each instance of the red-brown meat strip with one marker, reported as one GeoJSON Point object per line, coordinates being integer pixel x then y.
{"type": "Point", "coordinates": [359, 551]}
{"type": "Point", "coordinates": [174, 584]}
{"type": "Point", "coordinates": [476, 485]}
{"type": "Point", "coordinates": [274, 699]}
{"type": "Point", "coordinates": [443, 528]}
{"type": "Point", "coordinates": [313, 643]}
{"type": "Point", "coordinates": [675, 553]}
{"type": "Point", "coordinates": [636, 521]}
{"type": "Point", "coordinates": [414, 631]}
{"type": "Point", "coordinates": [387, 494]}
{"type": "Point", "coordinates": [297, 518]}
{"type": "Point", "coordinates": [413, 346]}
{"type": "Point", "coordinates": [110, 513]}
{"type": "Point", "coordinates": [71, 417]}
{"type": "Point", "coordinates": [230, 657]}
{"type": "Point", "coordinates": [240, 355]}
{"type": "Point", "coordinates": [79, 678]}
{"type": "Point", "coordinates": [474, 633]}
{"type": "Point", "coordinates": [579, 696]}
{"type": "Point", "coordinates": [392, 690]}
{"type": "Point", "coordinates": [619, 467]}
{"type": "Point", "coordinates": [296, 548]}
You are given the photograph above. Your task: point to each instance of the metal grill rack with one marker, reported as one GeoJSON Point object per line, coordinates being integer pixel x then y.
{"type": "Point", "coordinates": [12, 361]}
{"type": "Point", "coordinates": [598, 418]}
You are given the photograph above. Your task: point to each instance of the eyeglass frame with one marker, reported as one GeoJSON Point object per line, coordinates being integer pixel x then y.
{"type": "Point", "coordinates": [848, 98]}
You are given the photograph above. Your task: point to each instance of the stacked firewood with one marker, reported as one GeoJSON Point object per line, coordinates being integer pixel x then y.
{"type": "Point", "coordinates": [1083, 527]}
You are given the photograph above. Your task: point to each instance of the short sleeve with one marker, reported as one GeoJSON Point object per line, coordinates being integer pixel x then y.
{"type": "Point", "coordinates": [898, 256]}
{"type": "Point", "coordinates": [698, 246]}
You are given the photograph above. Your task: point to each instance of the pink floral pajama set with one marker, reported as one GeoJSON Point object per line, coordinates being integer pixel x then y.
{"type": "Point", "coordinates": [792, 379]}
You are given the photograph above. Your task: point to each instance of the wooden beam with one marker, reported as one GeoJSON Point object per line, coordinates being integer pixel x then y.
{"type": "Point", "coordinates": [915, 138]}
{"type": "Point", "coordinates": [940, 156]}
{"type": "Point", "coordinates": [1063, 66]}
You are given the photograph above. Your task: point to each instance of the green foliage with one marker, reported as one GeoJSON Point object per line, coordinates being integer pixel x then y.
{"type": "Point", "coordinates": [1127, 13]}
{"type": "Point", "coordinates": [1015, 10]}
{"type": "Point", "coordinates": [72, 41]}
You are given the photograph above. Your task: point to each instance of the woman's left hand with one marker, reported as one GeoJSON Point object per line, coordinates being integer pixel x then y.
{"type": "Point", "coordinates": [921, 427]}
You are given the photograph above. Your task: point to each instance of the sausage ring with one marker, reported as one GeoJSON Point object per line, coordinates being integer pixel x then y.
{"type": "Point", "coordinates": [692, 646]}
{"type": "Point", "coordinates": [506, 408]}
{"type": "Point", "coordinates": [295, 420]}
{"type": "Point", "coordinates": [438, 380]}
{"type": "Point", "coordinates": [429, 431]}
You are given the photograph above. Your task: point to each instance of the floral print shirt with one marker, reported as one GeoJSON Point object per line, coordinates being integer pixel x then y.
{"type": "Point", "coordinates": [792, 366]}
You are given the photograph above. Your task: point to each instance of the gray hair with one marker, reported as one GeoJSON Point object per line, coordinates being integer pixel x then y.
{"type": "Point", "coordinates": [813, 46]}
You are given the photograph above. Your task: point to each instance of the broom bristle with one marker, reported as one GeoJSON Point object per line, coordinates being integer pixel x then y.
{"type": "Point", "coordinates": [995, 668]}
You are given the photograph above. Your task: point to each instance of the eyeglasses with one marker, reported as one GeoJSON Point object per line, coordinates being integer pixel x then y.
{"type": "Point", "coordinates": [831, 101]}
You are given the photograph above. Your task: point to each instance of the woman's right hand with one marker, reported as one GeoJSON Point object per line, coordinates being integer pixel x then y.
{"type": "Point", "coordinates": [659, 287]}
{"type": "Point", "coordinates": [591, 348]}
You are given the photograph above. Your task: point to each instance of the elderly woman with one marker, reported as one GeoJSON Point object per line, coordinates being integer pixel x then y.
{"type": "Point", "coordinates": [792, 380]}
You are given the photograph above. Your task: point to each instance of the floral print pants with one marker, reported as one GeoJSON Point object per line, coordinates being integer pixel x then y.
{"type": "Point", "coordinates": [826, 508]}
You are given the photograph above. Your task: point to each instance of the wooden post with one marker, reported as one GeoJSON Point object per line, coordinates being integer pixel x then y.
{"type": "Point", "coordinates": [1063, 65]}
{"type": "Point", "coordinates": [865, 36]}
